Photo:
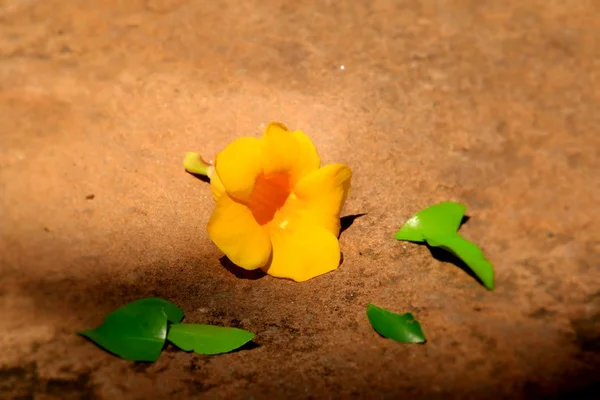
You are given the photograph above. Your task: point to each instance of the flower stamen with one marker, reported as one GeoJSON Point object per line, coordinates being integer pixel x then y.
{"type": "Point", "coordinates": [269, 195]}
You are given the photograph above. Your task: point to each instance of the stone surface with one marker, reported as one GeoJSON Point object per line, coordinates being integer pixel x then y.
{"type": "Point", "coordinates": [490, 103]}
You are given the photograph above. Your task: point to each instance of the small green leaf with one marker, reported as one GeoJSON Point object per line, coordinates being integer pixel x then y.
{"type": "Point", "coordinates": [437, 226]}
{"type": "Point", "coordinates": [136, 331]}
{"type": "Point", "coordinates": [208, 339]}
{"type": "Point", "coordinates": [438, 219]}
{"type": "Point", "coordinates": [401, 328]}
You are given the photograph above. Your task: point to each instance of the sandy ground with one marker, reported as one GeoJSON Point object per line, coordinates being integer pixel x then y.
{"type": "Point", "coordinates": [491, 103]}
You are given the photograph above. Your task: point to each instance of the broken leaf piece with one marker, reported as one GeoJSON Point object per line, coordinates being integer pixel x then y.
{"type": "Point", "coordinates": [208, 339]}
{"type": "Point", "coordinates": [138, 330]}
{"type": "Point", "coordinates": [437, 226]}
{"type": "Point", "coordinates": [401, 328]}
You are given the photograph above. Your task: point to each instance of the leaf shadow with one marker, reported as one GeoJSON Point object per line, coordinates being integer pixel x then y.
{"type": "Point", "coordinates": [203, 178]}
{"type": "Point", "coordinates": [448, 257]}
{"type": "Point", "coordinates": [348, 220]}
{"type": "Point", "coordinates": [251, 345]}
{"type": "Point", "coordinates": [171, 348]}
{"type": "Point", "coordinates": [387, 338]}
{"type": "Point", "coordinates": [240, 272]}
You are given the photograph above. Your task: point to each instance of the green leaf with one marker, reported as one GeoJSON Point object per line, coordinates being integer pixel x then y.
{"type": "Point", "coordinates": [208, 339]}
{"type": "Point", "coordinates": [174, 314]}
{"type": "Point", "coordinates": [401, 328]}
{"type": "Point", "coordinates": [468, 252]}
{"type": "Point", "coordinates": [438, 219]}
{"type": "Point", "coordinates": [136, 331]}
{"type": "Point", "coordinates": [437, 226]}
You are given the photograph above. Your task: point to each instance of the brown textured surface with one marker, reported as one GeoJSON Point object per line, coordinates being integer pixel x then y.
{"type": "Point", "coordinates": [491, 103]}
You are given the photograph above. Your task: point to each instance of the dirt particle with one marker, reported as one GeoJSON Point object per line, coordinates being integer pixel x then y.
{"type": "Point", "coordinates": [490, 342]}
{"type": "Point", "coordinates": [79, 387]}
{"type": "Point", "coordinates": [196, 386]}
{"type": "Point", "coordinates": [19, 381]}
{"type": "Point", "coordinates": [140, 366]}
{"type": "Point", "coordinates": [350, 296]}
{"type": "Point", "coordinates": [169, 348]}
{"type": "Point", "coordinates": [475, 364]}
{"type": "Point", "coordinates": [90, 196]}
{"type": "Point", "coordinates": [587, 333]}
{"type": "Point", "coordinates": [531, 388]}
{"type": "Point", "coordinates": [193, 364]}
{"type": "Point", "coordinates": [24, 382]}
{"type": "Point", "coordinates": [541, 313]}
{"type": "Point", "coordinates": [35, 347]}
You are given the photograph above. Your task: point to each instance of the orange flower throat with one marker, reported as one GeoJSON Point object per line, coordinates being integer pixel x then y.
{"type": "Point", "coordinates": [269, 195]}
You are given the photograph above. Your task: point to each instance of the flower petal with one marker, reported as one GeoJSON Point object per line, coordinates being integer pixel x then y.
{"type": "Point", "coordinates": [238, 165]}
{"type": "Point", "coordinates": [302, 251]}
{"type": "Point", "coordinates": [291, 152]}
{"type": "Point", "coordinates": [307, 150]}
{"type": "Point", "coordinates": [236, 233]}
{"type": "Point", "coordinates": [216, 186]}
{"type": "Point", "coordinates": [319, 197]}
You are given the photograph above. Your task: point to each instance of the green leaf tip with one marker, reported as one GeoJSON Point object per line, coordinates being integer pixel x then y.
{"type": "Point", "coordinates": [437, 226]}
{"type": "Point", "coordinates": [138, 330]}
{"type": "Point", "coordinates": [401, 328]}
{"type": "Point", "coordinates": [208, 339]}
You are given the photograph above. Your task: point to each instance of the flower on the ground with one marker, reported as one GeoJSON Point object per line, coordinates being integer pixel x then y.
{"type": "Point", "coordinates": [276, 207]}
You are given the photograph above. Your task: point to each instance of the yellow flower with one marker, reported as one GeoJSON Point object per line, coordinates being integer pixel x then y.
{"type": "Point", "coordinates": [276, 208]}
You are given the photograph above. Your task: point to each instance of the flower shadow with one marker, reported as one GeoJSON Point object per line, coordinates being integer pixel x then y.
{"type": "Point", "coordinates": [240, 272]}
{"type": "Point", "coordinates": [348, 220]}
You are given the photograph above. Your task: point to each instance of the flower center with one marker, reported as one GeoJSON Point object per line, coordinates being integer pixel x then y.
{"type": "Point", "coordinates": [269, 195]}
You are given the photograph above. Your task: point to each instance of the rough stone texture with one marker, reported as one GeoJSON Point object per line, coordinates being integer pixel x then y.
{"type": "Point", "coordinates": [491, 103]}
